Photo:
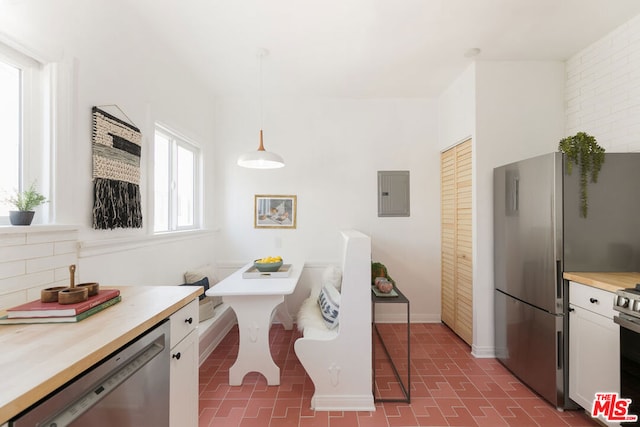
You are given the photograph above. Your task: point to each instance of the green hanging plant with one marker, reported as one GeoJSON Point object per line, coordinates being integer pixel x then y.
{"type": "Point", "coordinates": [583, 149]}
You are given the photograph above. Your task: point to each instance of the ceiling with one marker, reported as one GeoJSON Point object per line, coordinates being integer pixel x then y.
{"type": "Point", "coordinates": [367, 48]}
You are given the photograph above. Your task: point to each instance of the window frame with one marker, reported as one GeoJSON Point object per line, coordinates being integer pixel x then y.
{"type": "Point", "coordinates": [177, 140]}
{"type": "Point", "coordinates": [35, 148]}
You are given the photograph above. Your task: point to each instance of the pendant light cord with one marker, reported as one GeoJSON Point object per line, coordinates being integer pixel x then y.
{"type": "Point", "coordinates": [261, 54]}
{"type": "Point", "coordinates": [261, 159]}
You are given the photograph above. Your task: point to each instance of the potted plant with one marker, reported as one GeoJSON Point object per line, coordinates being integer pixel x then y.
{"type": "Point", "coordinates": [25, 202]}
{"type": "Point", "coordinates": [583, 149]}
{"type": "Point", "coordinates": [378, 269]}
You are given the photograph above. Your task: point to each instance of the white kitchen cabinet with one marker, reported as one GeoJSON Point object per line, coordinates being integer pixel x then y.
{"type": "Point", "coordinates": [594, 345]}
{"type": "Point", "coordinates": [183, 404]}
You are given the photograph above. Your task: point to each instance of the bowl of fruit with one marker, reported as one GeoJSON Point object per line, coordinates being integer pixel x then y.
{"type": "Point", "coordinates": [268, 264]}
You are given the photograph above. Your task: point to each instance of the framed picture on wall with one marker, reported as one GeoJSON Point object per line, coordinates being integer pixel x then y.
{"type": "Point", "coordinates": [272, 211]}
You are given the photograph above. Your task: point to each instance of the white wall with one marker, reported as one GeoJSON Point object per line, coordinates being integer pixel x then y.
{"type": "Point", "coordinates": [333, 149]}
{"type": "Point", "coordinates": [603, 89]}
{"type": "Point", "coordinates": [103, 57]}
{"type": "Point", "coordinates": [518, 112]}
{"type": "Point", "coordinates": [457, 110]}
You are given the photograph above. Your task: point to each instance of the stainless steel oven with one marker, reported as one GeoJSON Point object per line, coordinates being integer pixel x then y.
{"type": "Point", "coordinates": [627, 303]}
{"type": "Point", "coordinates": [129, 388]}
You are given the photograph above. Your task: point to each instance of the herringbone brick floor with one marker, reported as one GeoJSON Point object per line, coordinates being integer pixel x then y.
{"type": "Point", "coordinates": [449, 387]}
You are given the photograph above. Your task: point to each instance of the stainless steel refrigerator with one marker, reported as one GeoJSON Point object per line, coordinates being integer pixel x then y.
{"type": "Point", "coordinates": [539, 234]}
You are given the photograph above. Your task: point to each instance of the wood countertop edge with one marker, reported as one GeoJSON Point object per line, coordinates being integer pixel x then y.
{"type": "Point", "coordinates": [24, 401]}
{"type": "Point", "coordinates": [607, 281]}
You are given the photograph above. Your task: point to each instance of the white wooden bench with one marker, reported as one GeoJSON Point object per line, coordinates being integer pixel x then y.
{"type": "Point", "coordinates": [338, 361]}
{"type": "Point", "coordinates": [212, 331]}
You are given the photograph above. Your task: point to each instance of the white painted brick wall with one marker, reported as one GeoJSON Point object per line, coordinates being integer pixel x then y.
{"type": "Point", "coordinates": [32, 260]}
{"type": "Point", "coordinates": [603, 89]}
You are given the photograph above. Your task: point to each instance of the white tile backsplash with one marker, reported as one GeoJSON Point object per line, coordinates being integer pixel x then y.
{"type": "Point", "coordinates": [23, 252]}
{"type": "Point", "coordinates": [66, 247]}
{"type": "Point", "coordinates": [13, 298]}
{"type": "Point", "coordinates": [50, 262]}
{"type": "Point", "coordinates": [53, 236]}
{"type": "Point", "coordinates": [35, 259]}
{"type": "Point", "coordinates": [23, 281]}
{"type": "Point", "coordinates": [62, 273]}
{"type": "Point", "coordinates": [12, 239]}
{"type": "Point", "coordinates": [12, 268]}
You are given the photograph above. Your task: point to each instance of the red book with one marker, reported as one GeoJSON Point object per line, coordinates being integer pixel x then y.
{"type": "Point", "coordinates": [38, 308]}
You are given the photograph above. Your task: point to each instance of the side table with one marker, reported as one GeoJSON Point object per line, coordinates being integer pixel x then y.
{"type": "Point", "coordinates": [406, 388]}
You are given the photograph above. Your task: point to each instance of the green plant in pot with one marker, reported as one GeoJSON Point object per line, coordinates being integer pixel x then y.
{"type": "Point", "coordinates": [583, 150]}
{"type": "Point", "coordinates": [25, 202]}
{"type": "Point", "coordinates": [378, 269]}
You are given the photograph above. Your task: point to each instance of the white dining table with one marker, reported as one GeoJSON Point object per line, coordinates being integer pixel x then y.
{"type": "Point", "coordinates": [254, 301]}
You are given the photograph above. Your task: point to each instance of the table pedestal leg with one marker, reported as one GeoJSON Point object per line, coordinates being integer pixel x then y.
{"type": "Point", "coordinates": [254, 321]}
{"type": "Point", "coordinates": [284, 317]}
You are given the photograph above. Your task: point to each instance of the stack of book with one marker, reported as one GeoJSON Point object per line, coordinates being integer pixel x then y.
{"type": "Point", "coordinates": [53, 312]}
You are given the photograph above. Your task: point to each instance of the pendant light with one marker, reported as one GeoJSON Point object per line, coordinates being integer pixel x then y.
{"type": "Point", "coordinates": [261, 158]}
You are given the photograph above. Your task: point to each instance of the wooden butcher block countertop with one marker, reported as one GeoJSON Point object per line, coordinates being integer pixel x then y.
{"type": "Point", "coordinates": [606, 281]}
{"type": "Point", "coordinates": [36, 359]}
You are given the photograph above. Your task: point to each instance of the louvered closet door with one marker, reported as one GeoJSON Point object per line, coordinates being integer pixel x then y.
{"type": "Point", "coordinates": [457, 265]}
{"type": "Point", "coordinates": [448, 236]}
{"type": "Point", "coordinates": [464, 277]}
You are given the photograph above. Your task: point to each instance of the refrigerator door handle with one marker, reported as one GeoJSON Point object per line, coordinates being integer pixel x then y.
{"type": "Point", "coordinates": [559, 279]}
{"type": "Point", "coordinates": [560, 347]}
{"type": "Point", "coordinates": [516, 194]}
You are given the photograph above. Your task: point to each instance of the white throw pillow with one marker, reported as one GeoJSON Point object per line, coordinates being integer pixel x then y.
{"type": "Point", "coordinates": [329, 302]}
{"type": "Point", "coordinates": [197, 274]}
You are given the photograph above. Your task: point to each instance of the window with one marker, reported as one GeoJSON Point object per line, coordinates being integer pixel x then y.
{"type": "Point", "coordinates": [176, 204]}
{"type": "Point", "coordinates": [10, 132]}
{"type": "Point", "coordinates": [22, 143]}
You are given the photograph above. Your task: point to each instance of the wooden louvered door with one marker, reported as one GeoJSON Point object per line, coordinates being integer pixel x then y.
{"type": "Point", "coordinates": [456, 240]}
{"type": "Point", "coordinates": [448, 235]}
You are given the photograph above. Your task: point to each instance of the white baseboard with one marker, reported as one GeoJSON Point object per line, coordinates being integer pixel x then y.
{"type": "Point", "coordinates": [343, 403]}
{"type": "Point", "coordinates": [483, 352]}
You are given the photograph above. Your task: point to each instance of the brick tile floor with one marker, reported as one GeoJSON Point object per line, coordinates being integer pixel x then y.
{"type": "Point", "coordinates": [449, 387]}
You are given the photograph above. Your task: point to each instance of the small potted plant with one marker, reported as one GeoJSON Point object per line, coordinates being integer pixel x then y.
{"type": "Point", "coordinates": [25, 202]}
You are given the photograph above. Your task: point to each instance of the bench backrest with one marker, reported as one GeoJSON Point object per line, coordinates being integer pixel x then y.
{"type": "Point", "coordinates": [340, 367]}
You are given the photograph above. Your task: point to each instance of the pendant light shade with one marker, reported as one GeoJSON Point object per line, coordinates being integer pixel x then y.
{"type": "Point", "coordinates": [261, 158]}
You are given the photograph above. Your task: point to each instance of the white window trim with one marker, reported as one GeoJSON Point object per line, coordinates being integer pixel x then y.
{"type": "Point", "coordinates": [184, 141]}
{"type": "Point", "coordinates": [37, 107]}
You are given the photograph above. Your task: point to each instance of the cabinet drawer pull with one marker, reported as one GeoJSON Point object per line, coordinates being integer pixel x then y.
{"type": "Point", "coordinates": [190, 319]}
{"type": "Point", "coordinates": [176, 356]}
{"type": "Point", "coordinates": [593, 300]}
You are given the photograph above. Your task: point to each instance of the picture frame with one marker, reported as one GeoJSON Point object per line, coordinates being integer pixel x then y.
{"type": "Point", "coordinates": [274, 211]}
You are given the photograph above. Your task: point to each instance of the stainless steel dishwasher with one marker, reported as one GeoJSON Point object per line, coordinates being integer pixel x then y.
{"type": "Point", "coordinates": [129, 388]}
